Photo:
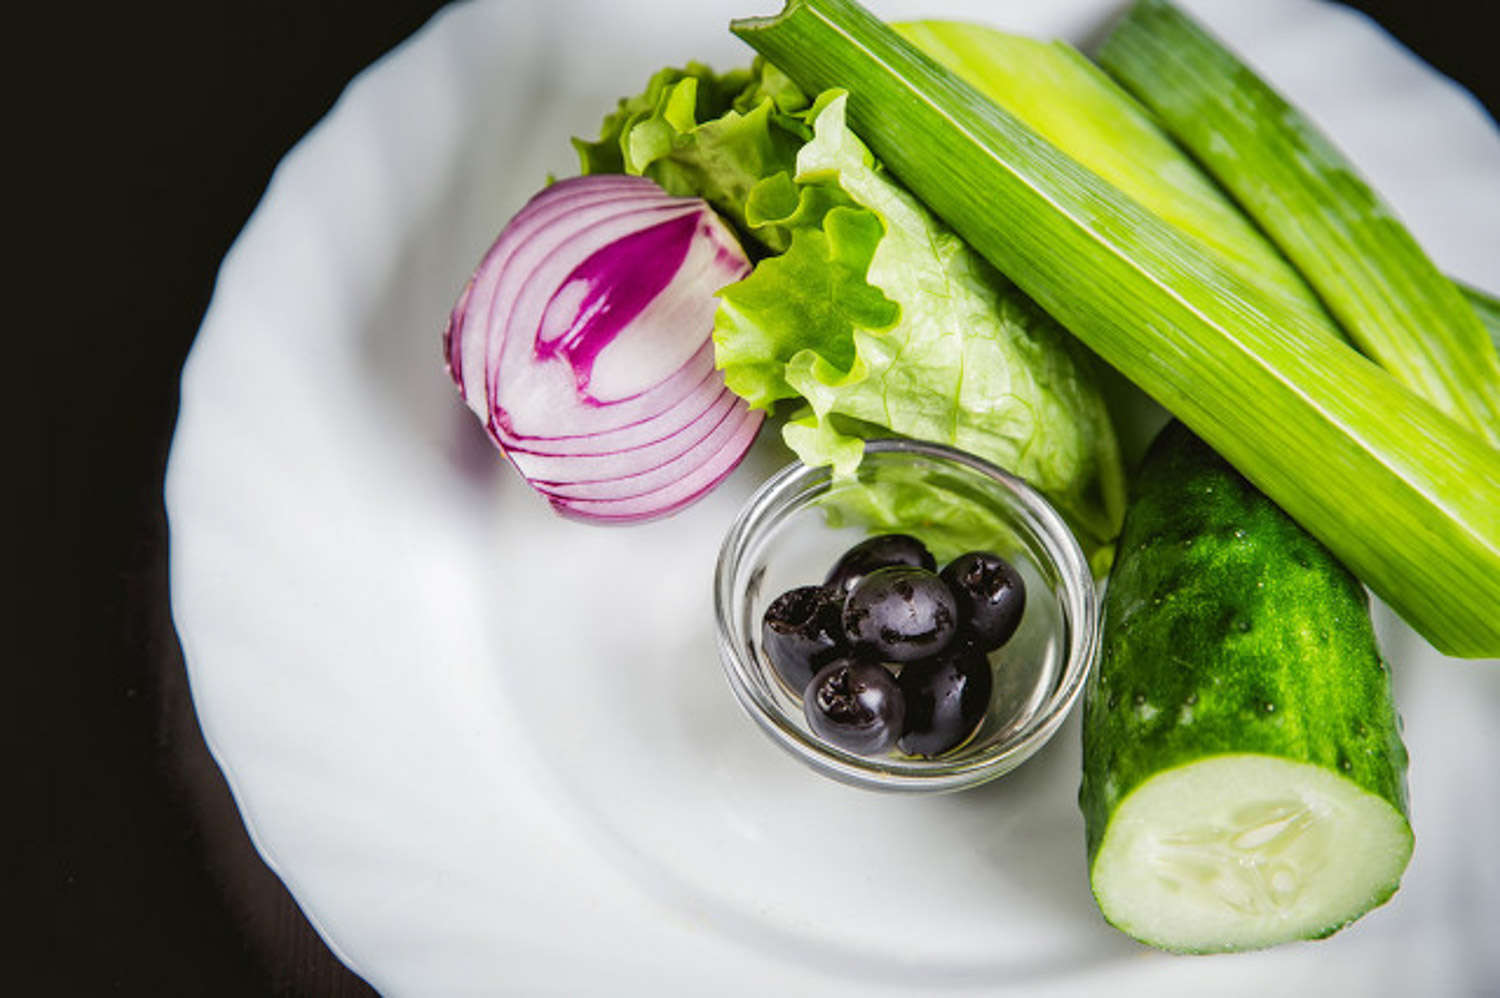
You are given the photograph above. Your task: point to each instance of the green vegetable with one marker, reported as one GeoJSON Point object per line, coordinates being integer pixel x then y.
{"type": "Point", "coordinates": [1073, 104]}
{"type": "Point", "coordinates": [700, 134]}
{"type": "Point", "coordinates": [878, 313]}
{"type": "Point", "coordinates": [1080, 110]}
{"type": "Point", "coordinates": [1070, 102]}
{"type": "Point", "coordinates": [867, 310]}
{"type": "Point", "coordinates": [943, 511]}
{"type": "Point", "coordinates": [1062, 96]}
{"type": "Point", "coordinates": [1243, 771]}
{"type": "Point", "coordinates": [1402, 494]}
{"type": "Point", "coordinates": [1394, 303]}
{"type": "Point", "coordinates": [1487, 307]}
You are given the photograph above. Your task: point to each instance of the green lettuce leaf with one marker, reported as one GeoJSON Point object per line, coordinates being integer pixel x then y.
{"type": "Point", "coordinates": [867, 314]}
{"type": "Point", "coordinates": [698, 134]}
{"type": "Point", "coordinates": [711, 95]}
{"type": "Point", "coordinates": [945, 515]}
{"type": "Point", "coordinates": [884, 316]}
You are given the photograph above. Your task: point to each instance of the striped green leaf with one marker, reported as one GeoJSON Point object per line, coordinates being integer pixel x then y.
{"type": "Point", "coordinates": [1405, 496]}
{"type": "Point", "coordinates": [1374, 277]}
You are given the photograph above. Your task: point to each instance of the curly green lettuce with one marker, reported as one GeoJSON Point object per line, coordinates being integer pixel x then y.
{"type": "Point", "coordinates": [865, 313]}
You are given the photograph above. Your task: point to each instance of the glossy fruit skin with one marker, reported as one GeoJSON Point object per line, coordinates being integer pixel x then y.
{"type": "Point", "coordinates": [855, 705]}
{"type": "Point", "coordinates": [946, 697]}
{"type": "Point", "coordinates": [878, 552]}
{"type": "Point", "coordinates": [991, 597]}
{"type": "Point", "coordinates": [801, 631]}
{"type": "Point", "coordinates": [900, 614]}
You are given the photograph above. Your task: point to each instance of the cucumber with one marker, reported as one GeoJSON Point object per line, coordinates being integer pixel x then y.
{"type": "Point", "coordinates": [1244, 779]}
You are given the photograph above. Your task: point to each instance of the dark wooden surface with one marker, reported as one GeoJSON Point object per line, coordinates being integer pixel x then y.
{"type": "Point", "coordinates": [145, 135]}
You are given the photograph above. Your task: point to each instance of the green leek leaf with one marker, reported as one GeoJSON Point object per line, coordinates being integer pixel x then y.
{"type": "Point", "coordinates": [1405, 496]}
{"type": "Point", "coordinates": [1373, 276]}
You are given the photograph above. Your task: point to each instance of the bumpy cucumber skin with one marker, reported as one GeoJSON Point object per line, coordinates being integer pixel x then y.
{"type": "Point", "coordinates": [1228, 629]}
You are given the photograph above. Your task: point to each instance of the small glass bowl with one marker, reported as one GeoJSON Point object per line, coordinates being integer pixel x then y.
{"type": "Point", "coordinates": [797, 524]}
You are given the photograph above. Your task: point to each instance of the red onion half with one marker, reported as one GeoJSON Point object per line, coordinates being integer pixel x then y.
{"type": "Point", "coordinates": [584, 345]}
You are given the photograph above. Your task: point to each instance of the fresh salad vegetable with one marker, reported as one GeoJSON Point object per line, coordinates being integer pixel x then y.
{"type": "Point", "coordinates": [1394, 303]}
{"type": "Point", "coordinates": [1068, 100]}
{"type": "Point", "coordinates": [865, 308]}
{"type": "Point", "coordinates": [1058, 93]}
{"type": "Point", "coordinates": [736, 245]}
{"type": "Point", "coordinates": [1487, 307]}
{"type": "Point", "coordinates": [583, 345]}
{"type": "Point", "coordinates": [1404, 495]}
{"type": "Point", "coordinates": [1243, 771]}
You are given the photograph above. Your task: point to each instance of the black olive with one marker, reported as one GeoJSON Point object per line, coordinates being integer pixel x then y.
{"type": "Point", "coordinates": [855, 705]}
{"type": "Point", "coordinates": [991, 597]}
{"type": "Point", "coordinates": [946, 698]}
{"type": "Point", "coordinates": [878, 552]}
{"type": "Point", "coordinates": [801, 631]}
{"type": "Point", "coordinates": [900, 614]}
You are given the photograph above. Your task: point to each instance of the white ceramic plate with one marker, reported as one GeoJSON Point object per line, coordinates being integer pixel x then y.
{"type": "Point", "coordinates": [489, 750]}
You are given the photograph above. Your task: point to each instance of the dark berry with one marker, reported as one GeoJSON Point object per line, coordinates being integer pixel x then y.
{"type": "Point", "coordinates": [878, 552]}
{"type": "Point", "coordinates": [855, 705]}
{"type": "Point", "coordinates": [801, 631]}
{"type": "Point", "coordinates": [900, 614]}
{"type": "Point", "coordinates": [946, 698]}
{"type": "Point", "coordinates": [991, 597]}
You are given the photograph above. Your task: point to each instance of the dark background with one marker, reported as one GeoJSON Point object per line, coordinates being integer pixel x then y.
{"type": "Point", "coordinates": [145, 135]}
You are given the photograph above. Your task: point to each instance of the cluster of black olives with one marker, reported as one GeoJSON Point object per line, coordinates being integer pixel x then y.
{"type": "Point", "coordinates": [889, 652]}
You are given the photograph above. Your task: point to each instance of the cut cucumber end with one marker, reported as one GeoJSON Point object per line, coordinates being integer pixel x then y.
{"type": "Point", "coordinates": [1239, 852]}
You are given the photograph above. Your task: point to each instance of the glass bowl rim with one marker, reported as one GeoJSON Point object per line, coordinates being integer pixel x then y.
{"type": "Point", "coordinates": [1079, 603]}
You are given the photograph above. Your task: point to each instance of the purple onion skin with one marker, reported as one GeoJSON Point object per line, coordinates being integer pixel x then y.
{"type": "Point", "coordinates": [580, 343]}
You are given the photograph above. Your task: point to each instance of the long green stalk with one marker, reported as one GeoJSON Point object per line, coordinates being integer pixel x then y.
{"type": "Point", "coordinates": [1487, 307]}
{"type": "Point", "coordinates": [1373, 276]}
{"type": "Point", "coordinates": [1406, 497]}
{"type": "Point", "coordinates": [1062, 96]}
{"type": "Point", "coordinates": [1059, 94]}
